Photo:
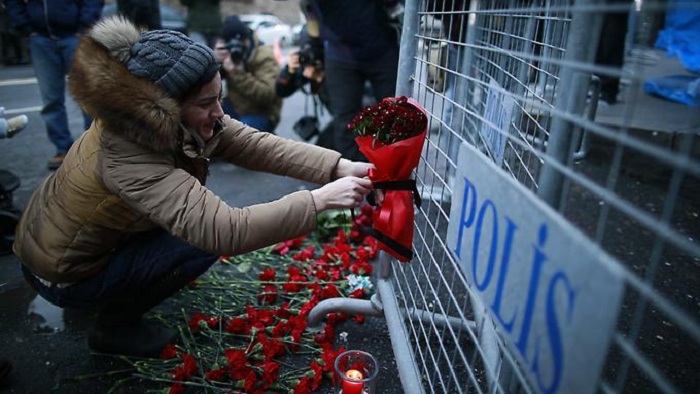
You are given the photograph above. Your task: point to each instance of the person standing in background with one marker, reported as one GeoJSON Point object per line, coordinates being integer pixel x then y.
{"type": "Point", "coordinates": [611, 47]}
{"type": "Point", "coordinates": [204, 19]}
{"type": "Point", "coordinates": [304, 72]}
{"type": "Point", "coordinates": [54, 28]}
{"type": "Point", "coordinates": [13, 48]}
{"type": "Point", "coordinates": [142, 13]}
{"type": "Point", "coordinates": [358, 41]}
{"type": "Point", "coordinates": [249, 70]}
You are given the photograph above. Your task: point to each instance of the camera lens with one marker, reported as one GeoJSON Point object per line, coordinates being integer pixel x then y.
{"type": "Point", "coordinates": [235, 46]}
{"type": "Point", "coordinates": [236, 56]}
{"type": "Point", "coordinates": [307, 56]}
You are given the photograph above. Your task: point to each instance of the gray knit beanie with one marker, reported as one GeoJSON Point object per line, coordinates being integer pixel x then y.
{"type": "Point", "coordinates": [172, 60]}
{"type": "Point", "coordinates": [168, 58]}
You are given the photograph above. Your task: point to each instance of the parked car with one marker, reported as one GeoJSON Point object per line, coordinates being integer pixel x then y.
{"type": "Point", "coordinates": [269, 28]}
{"type": "Point", "coordinates": [170, 18]}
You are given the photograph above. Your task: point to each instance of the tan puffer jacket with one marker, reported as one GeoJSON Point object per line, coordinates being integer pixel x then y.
{"type": "Point", "coordinates": [137, 168]}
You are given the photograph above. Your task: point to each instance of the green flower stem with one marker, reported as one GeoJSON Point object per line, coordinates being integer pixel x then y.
{"type": "Point", "coordinates": [98, 374]}
{"type": "Point", "coordinates": [206, 385]}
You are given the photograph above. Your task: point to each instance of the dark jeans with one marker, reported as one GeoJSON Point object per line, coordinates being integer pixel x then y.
{"type": "Point", "coordinates": [346, 84]}
{"type": "Point", "coordinates": [52, 58]}
{"type": "Point", "coordinates": [132, 270]}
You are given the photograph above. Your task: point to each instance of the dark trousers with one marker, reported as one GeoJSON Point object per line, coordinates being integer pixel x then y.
{"type": "Point", "coordinates": [346, 84]}
{"type": "Point", "coordinates": [611, 50]}
{"type": "Point", "coordinates": [132, 271]}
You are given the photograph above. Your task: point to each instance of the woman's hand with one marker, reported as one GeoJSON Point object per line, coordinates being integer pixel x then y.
{"type": "Point", "coordinates": [346, 192]}
{"type": "Point", "coordinates": [352, 168]}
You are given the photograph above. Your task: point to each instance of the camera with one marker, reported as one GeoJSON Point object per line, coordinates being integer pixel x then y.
{"type": "Point", "coordinates": [308, 57]}
{"type": "Point", "coordinates": [236, 47]}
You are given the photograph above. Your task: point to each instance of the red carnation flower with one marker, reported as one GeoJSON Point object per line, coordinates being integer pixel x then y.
{"type": "Point", "coordinates": [267, 275]}
{"type": "Point", "coordinates": [168, 352]}
{"type": "Point", "coordinates": [268, 295]}
{"type": "Point", "coordinates": [389, 121]}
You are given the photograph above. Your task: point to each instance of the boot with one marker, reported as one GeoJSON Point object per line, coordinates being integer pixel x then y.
{"type": "Point", "coordinates": [135, 338]}
{"type": "Point", "coordinates": [120, 328]}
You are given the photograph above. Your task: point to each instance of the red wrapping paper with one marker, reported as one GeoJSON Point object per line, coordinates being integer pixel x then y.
{"type": "Point", "coordinates": [394, 162]}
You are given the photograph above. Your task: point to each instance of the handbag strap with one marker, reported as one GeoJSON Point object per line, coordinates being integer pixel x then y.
{"type": "Point", "coordinates": [315, 99]}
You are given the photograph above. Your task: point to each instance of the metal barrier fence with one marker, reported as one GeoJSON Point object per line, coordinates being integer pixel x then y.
{"type": "Point", "coordinates": [556, 246]}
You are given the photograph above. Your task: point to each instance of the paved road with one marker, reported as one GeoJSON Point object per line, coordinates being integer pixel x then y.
{"type": "Point", "coordinates": [46, 344]}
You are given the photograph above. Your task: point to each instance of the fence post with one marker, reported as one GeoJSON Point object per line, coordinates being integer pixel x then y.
{"type": "Point", "coordinates": [405, 359]}
{"type": "Point", "coordinates": [580, 49]}
{"type": "Point", "coordinates": [407, 50]}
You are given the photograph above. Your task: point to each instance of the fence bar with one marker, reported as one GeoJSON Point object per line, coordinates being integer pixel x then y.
{"type": "Point", "coordinates": [350, 306]}
{"type": "Point", "coordinates": [405, 359]}
{"type": "Point", "coordinates": [440, 320]}
{"type": "Point", "coordinates": [407, 62]}
{"type": "Point", "coordinates": [580, 48]}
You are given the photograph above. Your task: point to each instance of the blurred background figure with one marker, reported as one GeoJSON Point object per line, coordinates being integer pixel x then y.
{"type": "Point", "coordinates": [143, 13]}
{"type": "Point", "coordinates": [204, 19]}
{"type": "Point", "coordinates": [14, 50]}
{"type": "Point", "coordinates": [303, 71]}
{"type": "Point", "coordinates": [455, 30]}
{"type": "Point", "coordinates": [9, 214]}
{"type": "Point", "coordinates": [358, 41]}
{"type": "Point", "coordinates": [54, 28]}
{"type": "Point", "coordinates": [611, 47]}
{"type": "Point", "coordinates": [249, 70]}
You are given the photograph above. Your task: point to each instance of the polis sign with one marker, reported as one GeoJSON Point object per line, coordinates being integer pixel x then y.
{"type": "Point", "coordinates": [553, 294]}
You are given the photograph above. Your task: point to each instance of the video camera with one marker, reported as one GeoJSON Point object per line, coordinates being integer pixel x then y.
{"type": "Point", "coordinates": [309, 57]}
{"type": "Point", "coordinates": [236, 47]}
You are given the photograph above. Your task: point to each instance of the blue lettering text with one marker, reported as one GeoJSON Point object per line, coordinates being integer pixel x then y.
{"type": "Point", "coordinates": [494, 243]}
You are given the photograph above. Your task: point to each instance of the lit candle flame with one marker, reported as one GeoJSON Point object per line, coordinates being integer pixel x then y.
{"type": "Point", "coordinates": [354, 374]}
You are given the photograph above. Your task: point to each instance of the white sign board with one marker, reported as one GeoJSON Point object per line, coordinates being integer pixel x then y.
{"type": "Point", "coordinates": [497, 117]}
{"type": "Point", "coordinates": [553, 293]}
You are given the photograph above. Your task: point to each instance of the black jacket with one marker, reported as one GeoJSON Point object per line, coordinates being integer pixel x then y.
{"type": "Point", "coordinates": [53, 18]}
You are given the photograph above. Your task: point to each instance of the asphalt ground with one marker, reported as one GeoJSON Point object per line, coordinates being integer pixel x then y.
{"type": "Point", "coordinates": [47, 345]}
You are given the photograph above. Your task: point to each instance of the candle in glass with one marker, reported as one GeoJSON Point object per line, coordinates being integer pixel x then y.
{"type": "Point", "coordinates": [355, 372]}
{"type": "Point", "coordinates": [353, 385]}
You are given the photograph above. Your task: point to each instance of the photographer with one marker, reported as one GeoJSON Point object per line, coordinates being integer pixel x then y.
{"type": "Point", "coordinates": [358, 42]}
{"type": "Point", "coordinates": [304, 68]}
{"type": "Point", "coordinates": [249, 70]}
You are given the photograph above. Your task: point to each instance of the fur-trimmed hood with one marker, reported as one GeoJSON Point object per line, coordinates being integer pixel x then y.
{"type": "Point", "coordinates": [125, 104]}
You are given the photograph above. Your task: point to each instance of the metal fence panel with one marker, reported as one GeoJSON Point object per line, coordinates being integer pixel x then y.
{"type": "Point", "coordinates": [624, 176]}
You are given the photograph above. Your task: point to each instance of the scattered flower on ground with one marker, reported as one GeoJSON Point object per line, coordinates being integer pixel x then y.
{"type": "Point", "coordinates": [243, 324]}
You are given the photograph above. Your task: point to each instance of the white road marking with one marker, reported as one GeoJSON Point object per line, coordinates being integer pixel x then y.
{"type": "Point", "coordinates": [23, 110]}
{"type": "Point", "coordinates": [18, 81]}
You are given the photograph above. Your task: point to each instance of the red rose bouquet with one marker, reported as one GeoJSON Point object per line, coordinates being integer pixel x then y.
{"type": "Point", "coordinates": [391, 135]}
